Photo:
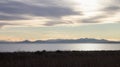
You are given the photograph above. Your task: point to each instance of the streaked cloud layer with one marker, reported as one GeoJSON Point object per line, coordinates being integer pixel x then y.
{"type": "Point", "coordinates": [57, 13]}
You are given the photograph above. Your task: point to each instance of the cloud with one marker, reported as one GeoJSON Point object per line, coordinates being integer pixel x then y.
{"type": "Point", "coordinates": [60, 3]}
{"type": "Point", "coordinates": [2, 24]}
{"type": "Point", "coordinates": [109, 9]}
{"type": "Point", "coordinates": [60, 22]}
{"type": "Point", "coordinates": [19, 8]}
{"type": "Point", "coordinates": [56, 12]}
{"type": "Point", "coordinates": [113, 7]}
{"type": "Point", "coordinates": [12, 17]}
{"type": "Point", "coordinates": [13, 10]}
{"type": "Point", "coordinates": [95, 19]}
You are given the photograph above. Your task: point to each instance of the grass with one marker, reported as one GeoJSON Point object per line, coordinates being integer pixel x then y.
{"type": "Point", "coordinates": [61, 59]}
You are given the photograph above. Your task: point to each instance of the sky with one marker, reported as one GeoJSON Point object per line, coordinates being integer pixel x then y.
{"type": "Point", "coordinates": [59, 19]}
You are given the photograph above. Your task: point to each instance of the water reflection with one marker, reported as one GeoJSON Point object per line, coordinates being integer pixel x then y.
{"type": "Point", "coordinates": [91, 46]}
{"type": "Point", "coordinates": [52, 47]}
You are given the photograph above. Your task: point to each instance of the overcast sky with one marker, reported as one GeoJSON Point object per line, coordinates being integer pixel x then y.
{"type": "Point", "coordinates": [59, 19]}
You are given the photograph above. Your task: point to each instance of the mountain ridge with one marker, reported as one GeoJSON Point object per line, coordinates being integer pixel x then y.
{"type": "Point", "coordinates": [81, 40]}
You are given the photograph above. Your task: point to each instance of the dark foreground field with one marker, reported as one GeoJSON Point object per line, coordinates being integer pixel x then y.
{"type": "Point", "coordinates": [61, 59]}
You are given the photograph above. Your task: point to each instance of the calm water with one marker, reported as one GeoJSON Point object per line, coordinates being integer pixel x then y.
{"type": "Point", "coordinates": [52, 47]}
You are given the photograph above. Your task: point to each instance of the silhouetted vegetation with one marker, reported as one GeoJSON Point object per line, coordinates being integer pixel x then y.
{"type": "Point", "coordinates": [61, 59]}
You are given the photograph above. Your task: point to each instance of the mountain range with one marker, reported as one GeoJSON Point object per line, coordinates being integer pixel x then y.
{"type": "Point", "coordinates": [82, 40]}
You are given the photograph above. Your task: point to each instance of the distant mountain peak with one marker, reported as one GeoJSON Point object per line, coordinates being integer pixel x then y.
{"type": "Point", "coordinates": [81, 40]}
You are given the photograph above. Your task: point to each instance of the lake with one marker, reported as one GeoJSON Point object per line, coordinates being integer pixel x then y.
{"type": "Point", "coordinates": [53, 47]}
